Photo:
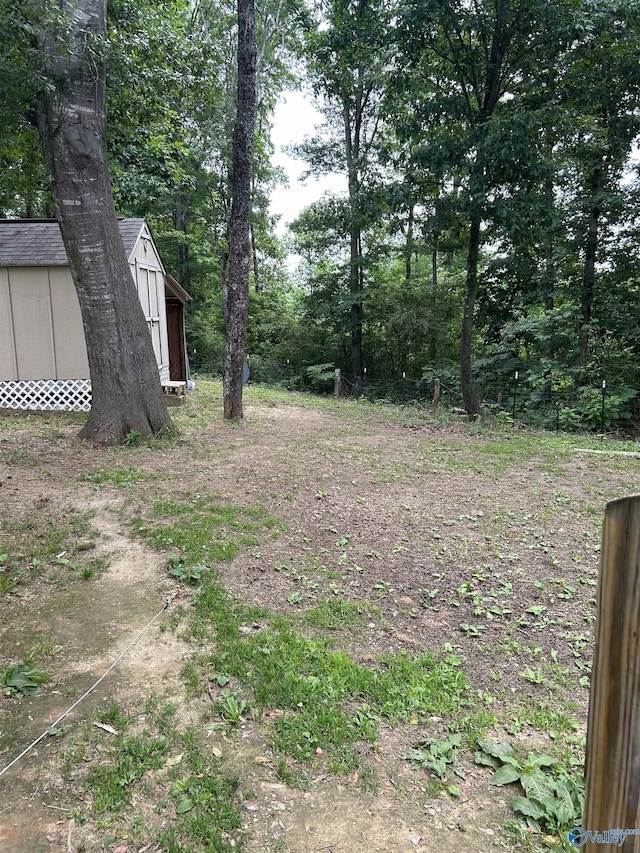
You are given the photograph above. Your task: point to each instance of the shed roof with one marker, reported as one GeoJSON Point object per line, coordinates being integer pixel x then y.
{"type": "Point", "coordinates": [176, 289]}
{"type": "Point", "coordinates": [38, 242]}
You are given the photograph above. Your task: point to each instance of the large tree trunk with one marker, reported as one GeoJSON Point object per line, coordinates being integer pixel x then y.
{"type": "Point", "coordinates": [589, 274]}
{"type": "Point", "coordinates": [236, 284]}
{"type": "Point", "coordinates": [126, 391]}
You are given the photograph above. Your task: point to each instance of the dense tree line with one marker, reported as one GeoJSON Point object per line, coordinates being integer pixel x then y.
{"type": "Point", "coordinates": [489, 217]}
{"type": "Point", "coordinates": [495, 205]}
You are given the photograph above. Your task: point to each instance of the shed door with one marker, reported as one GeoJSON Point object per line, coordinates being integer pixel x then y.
{"type": "Point", "coordinates": [149, 281]}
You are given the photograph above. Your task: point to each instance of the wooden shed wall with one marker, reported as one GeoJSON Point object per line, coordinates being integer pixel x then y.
{"type": "Point", "coordinates": [41, 333]}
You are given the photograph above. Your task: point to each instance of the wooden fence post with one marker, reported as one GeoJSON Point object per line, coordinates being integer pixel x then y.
{"type": "Point", "coordinates": [338, 383]}
{"type": "Point", "coordinates": [612, 796]}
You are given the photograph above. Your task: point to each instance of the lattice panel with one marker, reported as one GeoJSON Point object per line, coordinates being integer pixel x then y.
{"type": "Point", "coordinates": [49, 395]}
{"type": "Point", "coordinates": [164, 374]}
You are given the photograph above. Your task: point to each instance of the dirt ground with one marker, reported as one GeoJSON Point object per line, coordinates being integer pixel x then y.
{"type": "Point", "coordinates": [420, 509]}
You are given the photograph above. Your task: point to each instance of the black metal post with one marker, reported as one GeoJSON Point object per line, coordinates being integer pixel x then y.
{"type": "Point", "coordinates": [515, 388]}
{"type": "Point", "coordinates": [604, 394]}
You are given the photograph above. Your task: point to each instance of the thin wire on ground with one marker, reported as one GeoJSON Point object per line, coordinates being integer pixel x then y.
{"type": "Point", "coordinates": [92, 688]}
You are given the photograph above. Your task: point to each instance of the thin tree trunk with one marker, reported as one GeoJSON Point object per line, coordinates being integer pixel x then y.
{"type": "Point", "coordinates": [182, 249]}
{"type": "Point", "coordinates": [433, 325]}
{"type": "Point", "coordinates": [589, 275]}
{"type": "Point", "coordinates": [494, 60]}
{"type": "Point", "coordinates": [236, 285]}
{"type": "Point", "coordinates": [355, 286]}
{"type": "Point", "coordinates": [352, 144]}
{"type": "Point", "coordinates": [469, 396]}
{"type": "Point", "coordinates": [126, 392]}
{"type": "Point", "coordinates": [549, 278]}
{"type": "Point", "coordinates": [408, 248]}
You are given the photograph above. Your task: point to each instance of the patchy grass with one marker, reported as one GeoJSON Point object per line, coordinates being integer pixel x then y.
{"type": "Point", "coordinates": [162, 760]}
{"type": "Point", "coordinates": [207, 531]}
{"type": "Point", "coordinates": [123, 477]}
{"type": "Point", "coordinates": [52, 546]}
{"type": "Point", "coordinates": [339, 614]}
{"type": "Point", "coordinates": [329, 702]}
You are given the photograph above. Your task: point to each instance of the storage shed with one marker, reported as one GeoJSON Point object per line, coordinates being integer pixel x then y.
{"type": "Point", "coordinates": [43, 354]}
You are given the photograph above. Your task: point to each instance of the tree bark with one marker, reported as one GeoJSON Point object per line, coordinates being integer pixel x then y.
{"type": "Point", "coordinates": [469, 396]}
{"type": "Point", "coordinates": [433, 323]}
{"type": "Point", "coordinates": [589, 274]}
{"type": "Point", "coordinates": [236, 283]}
{"type": "Point", "coordinates": [126, 392]}
{"type": "Point", "coordinates": [182, 248]}
{"type": "Point", "coordinates": [355, 286]}
{"type": "Point", "coordinates": [352, 151]}
{"type": "Point", "coordinates": [254, 257]}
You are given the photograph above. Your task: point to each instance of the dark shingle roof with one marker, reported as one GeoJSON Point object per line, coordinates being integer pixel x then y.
{"type": "Point", "coordinates": [38, 242]}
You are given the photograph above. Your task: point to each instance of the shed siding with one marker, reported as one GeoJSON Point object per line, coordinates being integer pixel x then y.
{"type": "Point", "coordinates": [31, 303]}
{"type": "Point", "coordinates": [8, 366]}
{"type": "Point", "coordinates": [68, 333]}
{"type": "Point", "coordinates": [148, 273]}
{"type": "Point", "coordinates": [145, 251]}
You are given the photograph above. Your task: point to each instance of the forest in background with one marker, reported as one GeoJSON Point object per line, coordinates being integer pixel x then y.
{"type": "Point", "coordinates": [489, 222]}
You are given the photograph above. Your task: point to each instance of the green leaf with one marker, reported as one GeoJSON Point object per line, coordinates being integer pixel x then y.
{"type": "Point", "coordinates": [541, 761]}
{"type": "Point", "coordinates": [566, 812]}
{"type": "Point", "coordinates": [536, 784]}
{"type": "Point", "coordinates": [185, 805]}
{"type": "Point", "coordinates": [527, 807]}
{"type": "Point", "coordinates": [499, 749]}
{"type": "Point", "coordinates": [486, 760]}
{"type": "Point", "coordinates": [415, 755]}
{"type": "Point", "coordinates": [505, 775]}
{"type": "Point", "coordinates": [438, 766]}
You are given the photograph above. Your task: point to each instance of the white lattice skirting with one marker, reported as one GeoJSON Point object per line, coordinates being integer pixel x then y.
{"type": "Point", "coordinates": [48, 395]}
{"type": "Point", "coordinates": [52, 395]}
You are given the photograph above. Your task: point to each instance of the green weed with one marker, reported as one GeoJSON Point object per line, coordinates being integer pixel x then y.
{"type": "Point", "coordinates": [330, 701]}
{"type": "Point", "coordinates": [206, 814]}
{"type": "Point", "coordinates": [553, 798]}
{"type": "Point", "coordinates": [22, 678]}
